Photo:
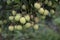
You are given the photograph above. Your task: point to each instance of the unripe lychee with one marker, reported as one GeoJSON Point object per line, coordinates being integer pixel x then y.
{"type": "Point", "coordinates": [5, 21]}
{"type": "Point", "coordinates": [18, 27]}
{"type": "Point", "coordinates": [27, 17]}
{"type": "Point", "coordinates": [46, 1]}
{"type": "Point", "coordinates": [17, 17]}
{"type": "Point", "coordinates": [13, 12]}
{"type": "Point", "coordinates": [36, 27]}
{"type": "Point", "coordinates": [50, 3]}
{"type": "Point", "coordinates": [37, 5]}
{"type": "Point", "coordinates": [43, 17]}
{"type": "Point", "coordinates": [24, 7]}
{"type": "Point", "coordinates": [1, 22]}
{"type": "Point", "coordinates": [27, 25]}
{"type": "Point", "coordinates": [11, 28]}
{"type": "Point", "coordinates": [11, 18]}
{"type": "Point", "coordinates": [46, 12]}
{"type": "Point", "coordinates": [52, 11]}
{"type": "Point", "coordinates": [41, 10]}
{"type": "Point", "coordinates": [36, 19]}
{"type": "Point", "coordinates": [22, 20]}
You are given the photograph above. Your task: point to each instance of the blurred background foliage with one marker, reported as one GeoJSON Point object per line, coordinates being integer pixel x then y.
{"type": "Point", "coordinates": [46, 31]}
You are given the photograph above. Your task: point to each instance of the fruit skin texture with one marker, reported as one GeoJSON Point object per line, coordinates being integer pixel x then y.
{"type": "Point", "coordinates": [52, 11]}
{"type": "Point", "coordinates": [13, 12]}
{"type": "Point", "coordinates": [18, 27]}
{"type": "Point", "coordinates": [46, 12]}
{"type": "Point", "coordinates": [27, 17]}
{"type": "Point", "coordinates": [36, 27]}
{"type": "Point", "coordinates": [11, 28]}
{"type": "Point", "coordinates": [41, 10]}
{"type": "Point", "coordinates": [17, 17]}
{"type": "Point", "coordinates": [28, 25]}
{"type": "Point", "coordinates": [11, 18]}
{"type": "Point", "coordinates": [49, 3]}
{"type": "Point", "coordinates": [37, 5]}
{"type": "Point", "coordinates": [22, 20]}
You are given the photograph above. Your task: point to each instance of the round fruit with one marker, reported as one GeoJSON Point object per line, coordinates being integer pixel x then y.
{"type": "Point", "coordinates": [22, 20]}
{"type": "Point", "coordinates": [18, 27]}
{"type": "Point", "coordinates": [46, 12]}
{"type": "Point", "coordinates": [17, 17]}
{"type": "Point", "coordinates": [52, 11]}
{"type": "Point", "coordinates": [46, 1]}
{"type": "Point", "coordinates": [49, 3]}
{"type": "Point", "coordinates": [43, 17]}
{"type": "Point", "coordinates": [5, 21]}
{"type": "Point", "coordinates": [24, 7]}
{"type": "Point", "coordinates": [27, 17]}
{"type": "Point", "coordinates": [11, 18]}
{"type": "Point", "coordinates": [41, 10]}
{"type": "Point", "coordinates": [1, 22]}
{"type": "Point", "coordinates": [18, 14]}
{"type": "Point", "coordinates": [36, 19]}
{"type": "Point", "coordinates": [11, 28]}
{"type": "Point", "coordinates": [13, 12]}
{"type": "Point", "coordinates": [37, 5]}
{"type": "Point", "coordinates": [36, 27]}
{"type": "Point", "coordinates": [27, 25]}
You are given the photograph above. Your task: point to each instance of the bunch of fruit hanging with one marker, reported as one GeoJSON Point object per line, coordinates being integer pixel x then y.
{"type": "Point", "coordinates": [24, 14]}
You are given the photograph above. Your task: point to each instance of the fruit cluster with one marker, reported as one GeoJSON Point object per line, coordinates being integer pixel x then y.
{"type": "Point", "coordinates": [26, 15]}
{"type": "Point", "coordinates": [20, 21]}
{"type": "Point", "coordinates": [45, 8]}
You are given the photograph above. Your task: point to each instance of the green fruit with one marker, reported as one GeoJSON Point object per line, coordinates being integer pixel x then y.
{"type": "Point", "coordinates": [36, 27]}
{"type": "Point", "coordinates": [24, 7]}
{"type": "Point", "coordinates": [41, 10]}
{"type": "Point", "coordinates": [46, 12]}
{"type": "Point", "coordinates": [28, 25]}
{"type": "Point", "coordinates": [22, 20]}
{"type": "Point", "coordinates": [49, 3]}
{"type": "Point", "coordinates": [27, 17]}
{"type": "Point", "coordinates": [46, 1]}
{"type": "Point", "coordinates": [1, 22]}
{"type": "Point", "coordinates": [43, 17]}
{"type": "Point", "coordinates": [36, 19]}
{"type": "Point", "coordinates": [11, 18]}
{"type": "Point", "coordinates": [17, 17]}
{"type": "Point", "coordinates": [52, 11]}
{"type": "Point", "coordinates": [5, 21]}
{"type": "Point", "coordinates": [13, 12]}
{"type": "Point", "coordinates": [18, 27]}
{"type": "Point", "coordinates": [11, 28]}
{"type": "Point", "coordinates": [37, 5]}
